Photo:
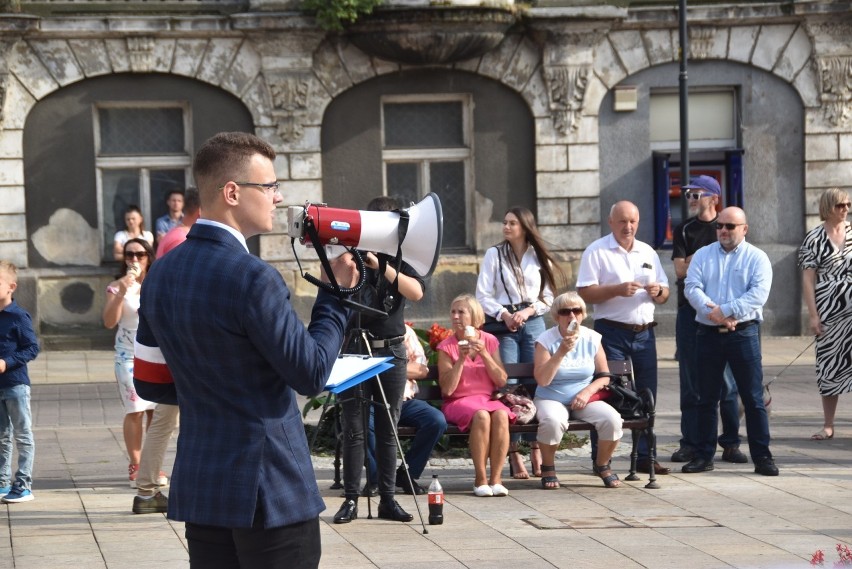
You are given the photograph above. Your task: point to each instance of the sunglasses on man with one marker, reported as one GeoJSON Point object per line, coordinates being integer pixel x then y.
{"type": "Point", "coordinates": [728, 226]}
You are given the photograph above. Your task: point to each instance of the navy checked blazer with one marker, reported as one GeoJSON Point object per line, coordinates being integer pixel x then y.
{"type": "Point", "coordinates": [238, 354]}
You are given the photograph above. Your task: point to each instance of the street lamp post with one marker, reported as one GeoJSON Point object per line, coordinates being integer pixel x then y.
{"type": "Point", "coordinates": [684, 107]}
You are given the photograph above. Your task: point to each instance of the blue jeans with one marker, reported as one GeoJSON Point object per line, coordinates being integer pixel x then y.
{"type": "Point", "coordinates": [520, 348]}
{"type": "Point", "coordinates": [430, 424]}
{"type": "Point", "coordinates": [641, 348]}
{"type": "Point", "coordinates": [685, 337]}
{"type": "Point", "coordinates": [16, 420]}
{"type": "Point", "coordinates": [741, 351]}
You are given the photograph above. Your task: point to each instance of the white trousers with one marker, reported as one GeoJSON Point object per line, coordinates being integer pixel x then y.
{"type": "Point", "coordinates": [553, 420]}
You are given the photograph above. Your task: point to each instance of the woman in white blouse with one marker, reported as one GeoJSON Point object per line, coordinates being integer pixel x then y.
{"type": "Point", "coordinates": [516, 285]}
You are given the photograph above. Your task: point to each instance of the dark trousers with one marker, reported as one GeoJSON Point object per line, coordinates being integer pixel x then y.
{"type": "Point", "coordinates": [296, 546]}
{"type": "Point", "coordinates": [641, 348]}
{"type": "Point", "coordinates": [355, 411]}
{"type": "Point", "coordinates": [688, 362]}
{"type": "Point", "coordinates": [741, 350]}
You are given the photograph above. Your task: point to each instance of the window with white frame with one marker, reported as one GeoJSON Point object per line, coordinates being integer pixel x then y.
{"type": "Point", "coordinates": [142, 151]}
{"type": "Point", "coordinates": [426, 147]}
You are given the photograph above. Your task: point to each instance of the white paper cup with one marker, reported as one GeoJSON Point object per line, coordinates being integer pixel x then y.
{"type": "Point", "coordinates": [643, 280]}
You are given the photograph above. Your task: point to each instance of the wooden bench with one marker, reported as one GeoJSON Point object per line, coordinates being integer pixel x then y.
{"type": "Point", "coordinates": [640, 427]}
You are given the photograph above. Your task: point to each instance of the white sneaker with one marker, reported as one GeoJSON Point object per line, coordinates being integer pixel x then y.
{"type": "Point", "coordinates": [482, 491]}
{"type": "Point", "coordinates": [499, 490]}
{"type": "Point", "coordinates": [162, 479]}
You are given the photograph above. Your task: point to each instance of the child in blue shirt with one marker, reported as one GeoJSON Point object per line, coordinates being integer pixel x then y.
{"type": "Point", "coordinates": [18, 345]}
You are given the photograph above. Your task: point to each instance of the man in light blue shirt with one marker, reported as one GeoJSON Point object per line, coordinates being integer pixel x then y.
{"type": "Point", "coordinates": [727, 284]}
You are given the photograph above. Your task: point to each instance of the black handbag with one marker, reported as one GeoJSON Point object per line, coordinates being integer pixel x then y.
{"type": "Point", "coordinates": [495, 327]}
{"type": "Point", "coordinates": [622, 397]}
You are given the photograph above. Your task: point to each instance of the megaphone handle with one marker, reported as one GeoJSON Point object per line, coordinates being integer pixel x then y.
{"type": "Point", "coordinates": [333, 286]}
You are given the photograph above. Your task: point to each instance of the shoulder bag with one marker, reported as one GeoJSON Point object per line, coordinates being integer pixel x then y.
{"type": "Point", "coordinates": [492, 325]}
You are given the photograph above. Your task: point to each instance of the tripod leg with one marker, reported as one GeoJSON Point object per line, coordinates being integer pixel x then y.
{"type": "Point", "coordinates": [365, 421]}
{"type": "Point", "coordinates": [337, 442]}
{"type": "Point", "coordinates": [338, 446]}
{"type": "Point", "coordinates": [325, 406]}
{"type": "Point", "coordinates": [384, 402]}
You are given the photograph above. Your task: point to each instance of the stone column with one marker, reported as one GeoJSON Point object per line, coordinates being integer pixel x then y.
{"type": "Point", "coordinates": [567, 161]}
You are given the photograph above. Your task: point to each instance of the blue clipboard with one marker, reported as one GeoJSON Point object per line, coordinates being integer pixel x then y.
{"type": "Point", "coordinates": [349, 370]}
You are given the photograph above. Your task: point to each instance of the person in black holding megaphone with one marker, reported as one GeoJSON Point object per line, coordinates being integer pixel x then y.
{"type": "Point", "coordinates": [390, 281]}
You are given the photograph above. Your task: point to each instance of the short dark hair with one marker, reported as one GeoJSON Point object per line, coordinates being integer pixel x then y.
{"type": "Point", "coordinates": [224, 157]}
{"type": "Point", "coordinates": [191, 201]}
{"type": "Point", "coordinates": [383, 203]}
{"type": "Point", "coordinates": [172, 192]}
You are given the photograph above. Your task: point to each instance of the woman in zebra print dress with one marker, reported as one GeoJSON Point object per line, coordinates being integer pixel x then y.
{"type": "Point", "coordinates": [825, 258]}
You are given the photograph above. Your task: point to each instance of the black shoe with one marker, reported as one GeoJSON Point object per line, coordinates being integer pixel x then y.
{"type": "Point", "coordinates": [347, 512]}
{"type": "Point", "coordinates": [644, 465]}
{"type": "Point", "coordinates": [765, 466]}
{"type": "Point", "coordinates": [735, 455]}
{"type": "Point", "coordinates": [683, 454]}
{"type": "Point", "coordinates": [392, 511]}
{"type": "Point", "coordinates": [415, 490]}
{"type": "Point", "coordinates": [697, 465]}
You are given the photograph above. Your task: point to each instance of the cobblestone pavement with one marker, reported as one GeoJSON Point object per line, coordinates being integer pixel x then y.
{"type": "Point", "coordinates": [727, 518]}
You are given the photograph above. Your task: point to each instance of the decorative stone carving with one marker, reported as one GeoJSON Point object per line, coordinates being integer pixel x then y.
{"type": "Point", "coordinates": [434, 34]}
{"type": "Point", "coordinates": [140, 51]}
{"type": "Point", "coordinates": [289, 95]}
{"type": "Point", "coordinates": [700, 41]}
{"type": "Point", "coordinates": [835, 77]}
{"type": "Point", "coordinates": [566, 90]}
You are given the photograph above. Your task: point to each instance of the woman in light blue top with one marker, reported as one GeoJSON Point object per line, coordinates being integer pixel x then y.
{"type": "Point", "coordinates": [570, 369]}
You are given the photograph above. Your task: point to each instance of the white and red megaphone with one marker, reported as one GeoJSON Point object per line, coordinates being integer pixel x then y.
{"type": "Point", "coordinates": [375, 231]}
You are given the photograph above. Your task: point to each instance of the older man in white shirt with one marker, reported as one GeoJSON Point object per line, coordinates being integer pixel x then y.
{"type": "Point", "coordinates": [624, 281]}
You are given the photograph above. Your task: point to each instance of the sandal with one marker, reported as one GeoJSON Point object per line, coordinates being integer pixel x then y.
{"type": "Point", "coordinates": [823, 435]}
{"type": "Point", "coordinates": [519, 471]}
{"type": "Point", "coordinates": [535, 460]}
{"type": "Point", "coordinates": [549, 481]}
{"type": "Point", "coordinates": [610, 480]}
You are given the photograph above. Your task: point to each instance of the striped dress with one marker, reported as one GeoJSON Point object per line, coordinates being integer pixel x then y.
{"type": "Point", "coordinates": [833, 292]}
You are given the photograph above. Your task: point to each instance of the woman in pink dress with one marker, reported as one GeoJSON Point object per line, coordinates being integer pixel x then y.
{"type": "Point", "coordinates": [469, 370]}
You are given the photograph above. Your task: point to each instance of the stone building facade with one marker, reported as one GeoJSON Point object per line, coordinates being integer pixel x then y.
{"type": "Point", "coordinates": [565, 115]}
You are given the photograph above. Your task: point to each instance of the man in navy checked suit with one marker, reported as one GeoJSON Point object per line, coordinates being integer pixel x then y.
{"type": "Point", "coordinates": [218, 320]}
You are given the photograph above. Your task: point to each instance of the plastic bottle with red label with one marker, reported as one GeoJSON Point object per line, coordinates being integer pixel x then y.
{"type": "Point", "coordinates": [436, 502]}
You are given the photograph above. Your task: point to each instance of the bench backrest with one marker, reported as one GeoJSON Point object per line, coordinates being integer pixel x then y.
{"type": "Point", "coordinates": [430, 392]}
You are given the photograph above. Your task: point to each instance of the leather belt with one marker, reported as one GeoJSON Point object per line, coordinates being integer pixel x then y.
{"type": "Point", "coordinates": [387, 342]}
{"type": "Point", "coordinates": [725, 329]}
{"type": "Point", "coordinates": [635, 328]}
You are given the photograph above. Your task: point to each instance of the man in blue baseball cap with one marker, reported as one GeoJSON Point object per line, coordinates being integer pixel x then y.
{"type": "Point", "coordinates": [703, 194]}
